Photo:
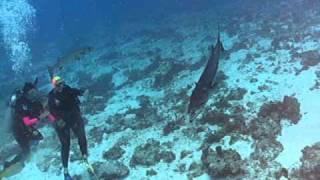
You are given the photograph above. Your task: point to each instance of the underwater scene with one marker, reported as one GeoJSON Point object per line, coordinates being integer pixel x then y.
{"type": "Point", "coordinates": [159, 90]}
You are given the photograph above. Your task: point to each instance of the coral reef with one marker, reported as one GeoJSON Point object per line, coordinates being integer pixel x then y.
{"type": "Point", "coordinates": [111, 170]}
{"type": "Point", "coordinates": [181, 168]}
{"type": "Point", "coordinates": [135, 118]}
{"type": "Point", "coordinates": [151, 172]}
{"type": "Point", "coordinates": [261, 128]}
{"type": "Point", "coordinates": [168, 156]}
{"type": "Point", "coordinates": [166, 74]}
{"type": "Point", "coordinates": [96, 134]}
{"type": "Point", "coordinates": [289, 109]}
{"type": "Point", "coordinates": [185, 153]}
{"type": "Point", "coordinates": [195, 170]}
{"type": "Point", "coordinates": [172, 126]}
{"type": "Point", "coordinates": [236, 94]}
{"type": "Point", "coordinates": [48, 161]}
{"type": "Point", "coordinates": [150, 154]}
{"type": "Point", "coordinates": [95, 104]}
{"type": "Point", "coordinates": [310, 167]}
{"type": "Point", "coordinates": [264, 129]}
{"type": "Point", "coordinates": [212, 138]}
{"type": "Point", "coordinates": [309, 59]}
{"type": "Point", "coordinates": [221, 163]}
{"type": "Point", "coordinates": [114, 153]}
{"type": "Point", "coordinates": [145, 115]}
{"type": "Point", "coordinates": [266, 150]}
{"type": "Point", "coordinates": [100, 91]}
{"type": "Point", "coordinates": [102, 85]}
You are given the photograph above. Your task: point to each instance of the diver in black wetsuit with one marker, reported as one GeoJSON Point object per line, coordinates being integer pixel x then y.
{"type": "Point", "coordinates": [64, 106]}
{"type": "Point", "coordinates": [26, 110]}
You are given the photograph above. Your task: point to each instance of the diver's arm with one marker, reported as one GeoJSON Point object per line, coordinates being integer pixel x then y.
{"type": "Point", "coordinates": [75, 91]}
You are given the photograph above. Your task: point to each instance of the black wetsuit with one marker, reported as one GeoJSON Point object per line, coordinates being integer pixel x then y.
{"type": "Point", "coordinates": [22, 133]}
{"type": "Point", "coordinates": [64, 106]}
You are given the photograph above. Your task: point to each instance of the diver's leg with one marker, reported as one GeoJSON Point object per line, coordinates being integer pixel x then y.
{"type": "Point", "coordinates": [79, 131]}
{"type": "Point", "coordinates": [24, 144]}
{"type": "Point", "coordinates": [23, 141]}
{"type": "Point", "coordinates": [64, 136]}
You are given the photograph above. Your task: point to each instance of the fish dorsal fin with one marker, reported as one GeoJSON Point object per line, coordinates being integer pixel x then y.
{"type": "Point", "coordinates": [218, 39]}
{"type": "Point", "coordinates": [219, 43]}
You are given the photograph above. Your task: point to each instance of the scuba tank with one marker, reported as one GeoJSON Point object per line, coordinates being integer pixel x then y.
{"type": "Point", "coordinates": [14, 96]}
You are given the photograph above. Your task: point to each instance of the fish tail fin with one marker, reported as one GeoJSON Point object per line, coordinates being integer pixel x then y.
{"type": "Point", "coordinates": [91, 169]}
{"type": "Point", "coordinates": [12, 168]}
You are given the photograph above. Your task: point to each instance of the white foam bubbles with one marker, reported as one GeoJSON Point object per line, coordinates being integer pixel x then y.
{"type": "Point", "coordinates": [16, 21]}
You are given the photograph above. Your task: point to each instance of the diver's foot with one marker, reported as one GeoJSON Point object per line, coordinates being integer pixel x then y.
{"type": "Point", "coordinates": [85, 158]}
{"type": "Point", "coordinates": [67, 176]}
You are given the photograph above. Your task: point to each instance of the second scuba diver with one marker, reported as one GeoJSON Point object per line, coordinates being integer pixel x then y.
{"type": "Point", "coordinates": [64, 104]}
{"type": "Point", "coordinates": [26, 110]}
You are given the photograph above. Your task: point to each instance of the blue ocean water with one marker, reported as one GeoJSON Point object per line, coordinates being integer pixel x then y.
{"type": "Point", "coordinates": [55, 20]}
{"type": "Point", "coordinates": [141, 62]}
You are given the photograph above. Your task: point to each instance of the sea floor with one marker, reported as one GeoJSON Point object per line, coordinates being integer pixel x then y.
{"type": "Point", "coordinates": [263, 113]}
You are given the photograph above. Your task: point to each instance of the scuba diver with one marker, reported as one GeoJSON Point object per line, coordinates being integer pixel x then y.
{"type": "Point", "coordinates": [64, 104]}
{"type": "Point", "coordinates": [26, 110]}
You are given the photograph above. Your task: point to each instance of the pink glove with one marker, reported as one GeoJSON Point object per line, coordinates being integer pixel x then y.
{"type": "Point", "coordinates": [52, 118]}
{"type": "Point", "coordinates": [29, 121]}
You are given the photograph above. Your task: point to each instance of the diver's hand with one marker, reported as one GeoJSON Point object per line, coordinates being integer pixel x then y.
{"type": "Point", "coordinates": [60, 123]}
{"type": "Point", "coordinates": [35, 133]}
{"type": "Point", "coordinates": [86, 92]}
{"type": "Point", "coordinates": [44, 114]}
{"type": "Point", "coordinates": [83, 92]}
{"type": "Point", "coordinates": [84, 95]}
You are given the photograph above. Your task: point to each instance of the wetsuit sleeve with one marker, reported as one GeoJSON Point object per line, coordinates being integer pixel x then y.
{"type": "Point", "coordinates": [24, 114]}
{"type": "Point", "coordinates": [30, 121]}
{"type": "Point", "coordinates": [75, 91]}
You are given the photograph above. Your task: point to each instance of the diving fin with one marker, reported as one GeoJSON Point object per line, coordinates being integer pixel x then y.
{"type": "Point", "coordinates": [90, 169]}
{"type": "Point", "coordinates": [12, 169]}
{"type": "Point", "coordinates": [67, 177]}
